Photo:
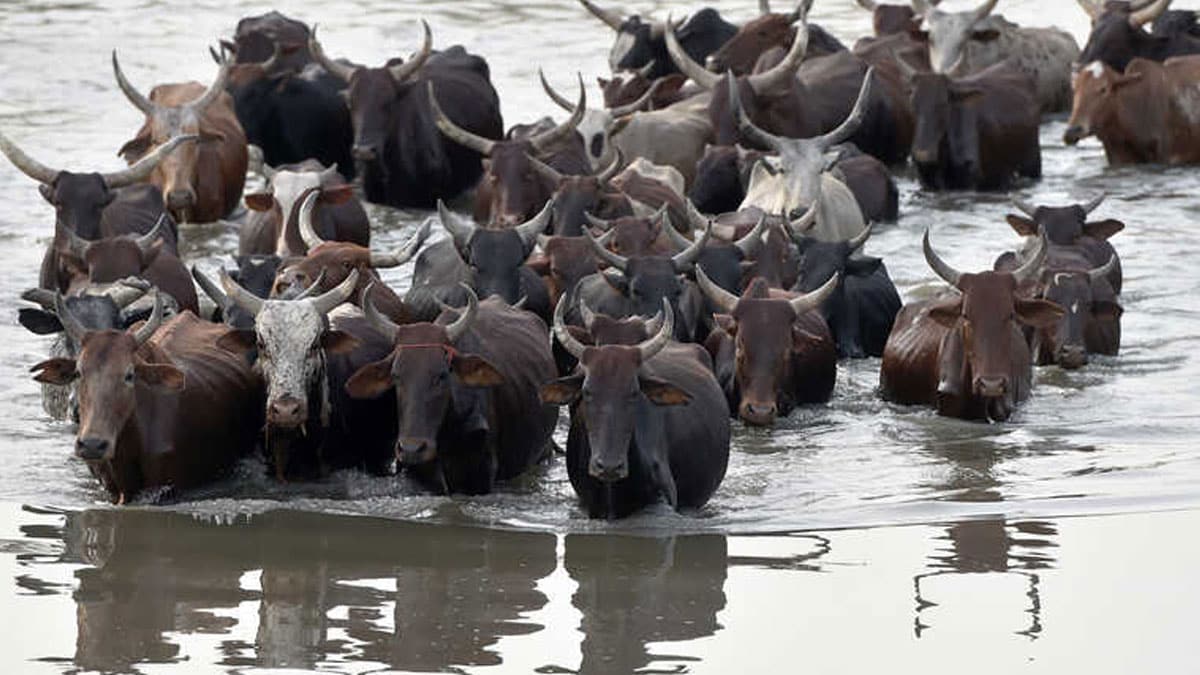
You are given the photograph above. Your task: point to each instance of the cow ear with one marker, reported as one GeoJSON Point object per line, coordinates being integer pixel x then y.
{"type": "Point", "coordinates": [372, 380]}
{"type": "Point", "coordinates": [337, 194]}
{"type": "Point", "coordinates": [864, 266]}
{"type": "Point", "coordinates": [260, 201]}
{"type": "Point", "coordinates": [1106, 310]}
{"type": "Point", "coordinates": [475, 371]}
{"type": "Point", "coordinates": [947, 313]}
{"type": "Point", "coordinates": [151, 252]}
{"type": "Point", "coordinates": [726, 323]}
{"type": "Point", "coordinates": [160, 376]}
{"type": "Point", "coordinates": [562, 391]}
{"type": "Point", "coordinates": [1038, 313]}
{"type": "Point", "coordinates": [55, 371]}
{"type": "Point", "coordinates": [39, 321]}
{"type": "Point", "coordinates": [1103, 229]}
{"type": "Point", "coordinates": [661, 392]}
{"type": "Point", "coordinates": [133, 150]}
{"type": "Point", "coordinates": [238, 341]}
{"type": "Point", "coordinates": [339, 342]}
{"type": "Point", "coordinates": [580, 333]}
{"type": "Point", "coordinates": [985, 35]}
{"type": "Point", "coordinates": [1022, 225]}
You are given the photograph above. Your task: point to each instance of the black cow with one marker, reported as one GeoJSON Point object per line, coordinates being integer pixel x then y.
{"type": "Point", "coordinates": [1118, 35]}
{"type": "Point", "coordinates": [403, 159]}
{"type": "Point", "coordinates": [257, 39]}
{"type": "Point", "coordinates": [1068, 227]}
{"type": "Point", "coordinates": [467, 394]}
{"type": "Point", "coordinates": [642, 43]}
{"type": "Point", "coordinates": [649, 424]}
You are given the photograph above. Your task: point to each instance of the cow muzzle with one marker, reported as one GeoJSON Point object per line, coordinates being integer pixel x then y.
{"type": "Point", "coordinates": [93, 449]}
{"type": "Point", "coordinates": [287, 412]}
{"type": "Point", "coordinates": [991, 387]}
{"type": "Point", "coordinates": [365, 153]}
{"type": "Point", "coordinates": [1071, 357]}
{"type": "Point", "coordinates": [181, 199]}
{"type": "Point", "coordinates": [758, 414]}
{"type": "Point", "coordinates": [1074, 134]}
{"type": "Point", "coordinates": [414, 451]}
{"type": "Point", "coordinates": [608, 470]}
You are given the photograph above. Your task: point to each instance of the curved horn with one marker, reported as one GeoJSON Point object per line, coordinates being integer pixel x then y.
{"type": "Point", "coordinates": [240, 296]}
{"type": "Point", "coordinates": [156, 318]}
{"type": "Point", "coordinates": [460, 229]}
{"type": "Point", "coordinates": [405, 70]}
{"type": "Point", "coordinates": [529, 231]}
{"type": "Point", "coordinates": [609, 17]}
{"type": "Point", "coordinates": [645, 70]}
{"type": "Point", "coordinates": [308, 231]}
{"type": "Point", "coordinates": [214, 90]}
{"type": "Point", "coordinates": [544, 140]}
{"type": "Point", "coordinates": [385, 326]}
{"type": "Point", "coordinates": [752, 242]}
{"type": "Point", "coordinates": [586, 313]}
{"type": "Point", "coordinates": [744, 125]}
{"type": "Point", "coordinates": [804, 223]}
{"type": "Point", "coordinates": [147, 240]}
{"type": "Point", "coordinates": [124, 294]}
{"type": "Point", "coordinates": [70, 323]}
{"type": "Point", "coordinates": [574, 347]}
{"type": "Point", "coordinates": [338, 70]}
{"type": "Point", "coordinates": [654, 345]}
{"type": "Point", "coordinates": [939, 266]}
{"type": "Point", "coordinates": [1094, 204]}
{"type": "Point", "coordinates": [1025, 207]}
{"type": "Point", "coordinates": [681, 242]}
{"type": "Point", "coordinates": [609, 172]}
{"type": "Point", "coordinates": [785, 69]}
{"type": "Point", "coordinates": [986, 9]}
{"type": "Point", "coordinates": [559, 100]}
{"type": "Point", "coordinates": [454, 132]}
{"type": "Point", "coordinates": [1092, 10]}
{"type": "Point", "coordinates": [1032, 266]}
{"type": "Point", "coordinates": [456, 330]}
{"type": "Point", "coordinates": [630, 108]}
{"type": "Point", "coordinates": [313, 288]}
{"type": "Point", "coordinates": [325, 302]}
{"type": "Point", "coordinates": [1104, 270]}
{"type": "Point", "coordinates": [694, 71]}
{"type": "Point", "coordinates": [28, 165]}
{"type": "Point", "coordinates": [145, 166]}
{"type": "Point", "coordinates": [721, 298]}
{"type": "Point", "coordinates": [618, 261]}
{"type": "Point", "coordinates": [135, 97]}
{"type": "Point", "coordinates": [847, 128]}
{"type": "Point", "coordinates": [210, 289]}
{"type": "Point", "coordinates": [684, 260]}
{"type": "Point", "coordinates": [857, 242]}
{"type": "Point", "coordinates": [405, 252]}
{"type": "Point", "coordinates": [810, 301]}
{"type": "Point", "coordinates": [545, 170]}
{"type": "Point", "coordinates": [600, 223]}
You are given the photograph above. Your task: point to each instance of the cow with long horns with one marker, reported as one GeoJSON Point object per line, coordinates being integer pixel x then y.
{"type": "Point", "coordinates": [201, 182]}
{"type": "Point", "coordinates": [1067, 227]}
{"type": "Point", "coordinates": [160, 406]}
{"type": "Point", "coordinates": [961, 43]}
{"type": "Point", "coordinates": [767, 31]}
{"type": "Point", "coordinates": [274, 227]}
{"type": "Point", "coordinates": [1118, 33]}
{"type": "Point", "coordinates": [597, 125]}
{"type": "Point", "coordinates": [466, 391]}
{"type": "Point", "coordinates": [964, 353]}
{"type": "Point", "coordinates": [641, 43]}
{"type": "Point", "coordinates": [402, 159]}
{"type": "Point", "coordinates": [649, 424]}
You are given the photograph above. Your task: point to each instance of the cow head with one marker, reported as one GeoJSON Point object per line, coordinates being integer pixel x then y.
{"type": "Point", "coordinates": [756, 37]}
{"type": "Point", "coordinates": [763, 327]}
{"type": "Point", "coordinates": [577, 196]}
{"type": "Point", "coordinates": [638, 43]}
{"type": "Point", "coordinates": [495, 256]}
{"type": "Point", "coordinates": [597, 125]}
{"type": "Point", "coordinates": [893, 19]}
{"type": "Point", "coordinates": [428, 373]}
{"type": "Point", "coordinates": [568, 260]}
{"type": "Point", "coordinates": [608, 388]}
{"type": "Point", "coordinates": [945, 146]}
{"type": "Point", "coordinates": [977, 351]}
{"type": "Point", "coordinates": [1095, 107]}
{"type": "Point", "coordinates": [1087, 297]}
{"type": "Point", "coordinates": [175, 173]}
{"type": "Point", "coordinates": [821, 261]}
{"type": "Point", "coordinates": [1118, 35]}
{"type": "Point", "coordinates": [113, 258]}
{"type": "Point", "coordinates": [98, 307]}
{"type": "Point", "coordinates": [633, 235]}
{"type": "Point", "coordinates": [1063, 225]}
{"type": "Point", "coordinates": [110, 368]}
{"type": "Point", "coordinates": [79, 198]}
{"type": "Point", "coordinates": [517, 187]}
{"type": "Point", "coordinates": [949, 32]}
{"type": "Point", "coordinates": [286, 188]}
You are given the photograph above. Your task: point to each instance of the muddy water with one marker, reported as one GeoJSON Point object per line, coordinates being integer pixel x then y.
{"type": "Point", "coordinates": [774, 571]}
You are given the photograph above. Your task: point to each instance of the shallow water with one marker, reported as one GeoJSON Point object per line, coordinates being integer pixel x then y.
{"type": "Point", "coordinates": [1117, 437]}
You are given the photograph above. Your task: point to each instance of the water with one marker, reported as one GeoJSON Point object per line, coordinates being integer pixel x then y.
{"type": "Point", "coordinates": [249, 573]}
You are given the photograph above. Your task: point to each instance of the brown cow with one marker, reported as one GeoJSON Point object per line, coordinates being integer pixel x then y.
{"type": "Point", "coordinates": [1146, 114]}
{"type": "Point", "coordinates": [201, 182]}
{"type": "Point", "coordinates": [772, 349]}
{"type": "Point", "coordinates": [160, 406]}
{"type": "Point", "coordinates": [965, 353]}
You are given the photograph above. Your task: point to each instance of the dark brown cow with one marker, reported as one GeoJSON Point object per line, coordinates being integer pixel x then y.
{"type": "Point", "coordinates": [964, 353]}
{"type": "Point", "coordinates": [274, 226]}
{"type": "Point", "coordinates": [648, 423]}
{"type": "Point", "coordinates": [161, 407]}
{"type": "Point", "coordinates": [1146, 114]}
{"type": "Point", "coordinates": [115, 258]}
{"type": "Point", "coordinates": [466, 394]}
{"type": "Point", "coordinates": [773, 347]}
{"type": "Point", "coordinates": [201, 182]}
{"type": "Point", "coordinates": [1092, 321]}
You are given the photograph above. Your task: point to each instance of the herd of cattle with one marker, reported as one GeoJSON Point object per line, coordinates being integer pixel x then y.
{"type": "Point", "coordinates": [694, 247]}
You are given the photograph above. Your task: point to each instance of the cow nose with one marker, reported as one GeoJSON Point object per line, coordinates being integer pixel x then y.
{"type": "Point", "coordinates": [758, 414]}
{"type": "Point", "coordinates": [286, 411]}
{"type": "Point", "coordinates": [1071, 357]}
{"type": "Point", "coordinates": [991, 386]}
{"type": "Point", "coordinates": [1073, 135]}
{"type": "Point", "coordinates": [91, 448]}
{"type": "Point", "coordinates": [365, 153]}
{"type": "Point", "coordinates": [180, 199]}
{"type": "Point", "coordinates": [608, 471]}
{"type": "Point", "coordinates": [413, 451]}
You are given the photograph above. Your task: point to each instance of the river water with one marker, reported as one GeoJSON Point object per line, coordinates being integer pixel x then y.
{"type": "Point", "coordinates": [1062, 539]}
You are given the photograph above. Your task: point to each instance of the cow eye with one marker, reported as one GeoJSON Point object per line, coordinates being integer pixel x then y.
{"type": "Point", "coordinates": [346, 264]}
{"type": "Point", "coordinates": [129, 376]}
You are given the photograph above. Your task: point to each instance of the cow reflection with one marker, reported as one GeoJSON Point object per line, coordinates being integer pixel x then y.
{"type": "Point", "coordinates": [634, 591]}
{"type": "Point", "coordinates": [992, 546]}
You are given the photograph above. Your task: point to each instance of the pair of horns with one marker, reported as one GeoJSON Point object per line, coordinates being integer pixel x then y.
{"type": "Point", "coordinates": [1029, 209]}
{"type": "Point", "coordinates": [978, 14]}
{"type": "Point", "coordinates": [484, 146]}
{"type": "Point", "coordinates": [379, 260]}
{"type": "Point", "coordinates": [823, 142]}
{"type": "Point", "coordinates": [197, 106]}
{"type": "Point", "coordinates": [454, 330]}
{"type": "Point", "coordinates": [952, 276]}
{"type": "Point", "coordinates": [253, 304]}
{"type": "Point", "coordinates": [665, 319]}
{"type": "Point", "coordinates": [555, 176]}
{"type": "Point", "coordinates": [682, 261]}
{"type": "Point", "coordinates": [79, 247]}
{"type": "Point", "coordinates": [462, 229]}
{"type": "Point", "coordinates": [400, 73]}
{"type": "Point", "coordinates": [619, 111]}
{"type": "Point", "coordinates": [1140, 13]}
{"type": "Point", "coordinates": [727, 302]}
{"type": "Point", "coordinates": [137, 173]}
{"type": "Point", "coordinates": [763, 82]}
{"type": "Point", "coordinates": [76, 330]}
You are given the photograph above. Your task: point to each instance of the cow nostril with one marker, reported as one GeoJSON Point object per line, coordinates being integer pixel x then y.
{"type": "Point", "coordinates": [91, 448]}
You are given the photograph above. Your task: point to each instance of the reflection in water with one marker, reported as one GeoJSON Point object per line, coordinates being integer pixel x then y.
{"type": "Point", "coordinates": [992, 546]}
{"type": "Point", "coordinates": [634, 591]}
